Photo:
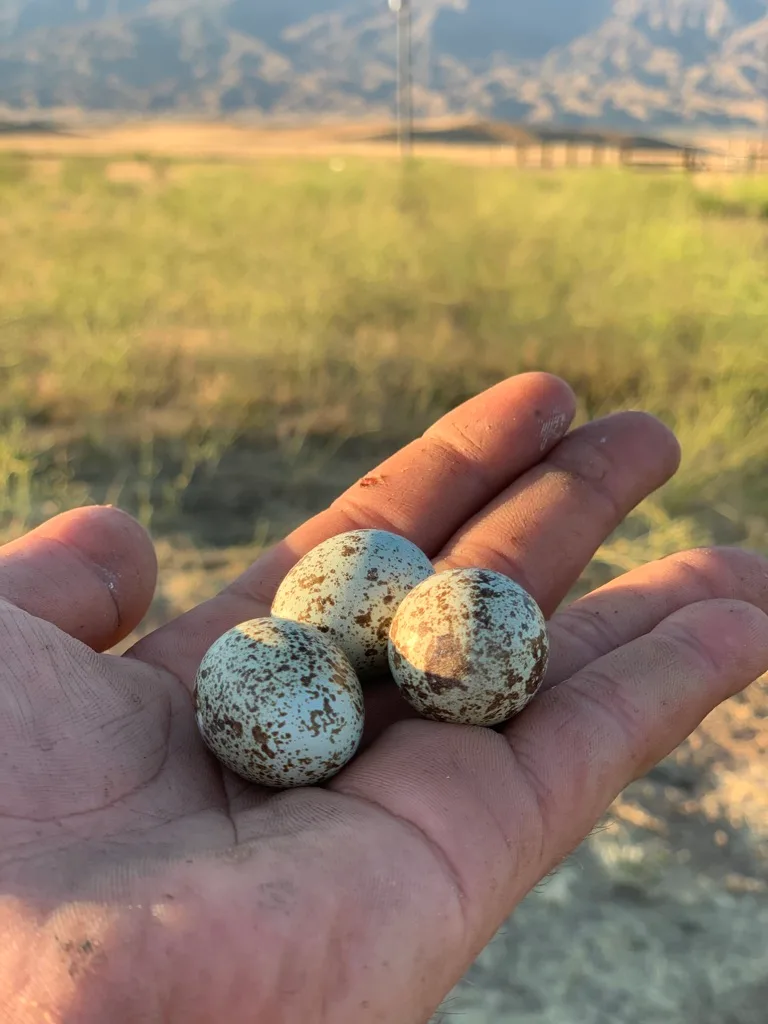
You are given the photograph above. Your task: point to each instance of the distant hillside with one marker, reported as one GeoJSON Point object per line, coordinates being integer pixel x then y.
{"type": "Point", "coordinates": [625, 62]}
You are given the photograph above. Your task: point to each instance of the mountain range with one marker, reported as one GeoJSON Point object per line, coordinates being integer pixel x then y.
{"type": "Point", "coordinates": [619, 62]}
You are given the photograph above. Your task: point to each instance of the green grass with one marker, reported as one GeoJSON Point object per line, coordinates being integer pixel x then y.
{"type": "Point", "coordinates": [151, 330]}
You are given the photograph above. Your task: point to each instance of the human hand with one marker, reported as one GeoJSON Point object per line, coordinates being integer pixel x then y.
{"type": "Point", "coordinates": [141, 882]}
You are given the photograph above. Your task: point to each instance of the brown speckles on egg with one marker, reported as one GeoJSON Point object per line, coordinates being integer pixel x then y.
{"type": "Point", "coordinates": [279, 704]}
{"type": "Point", "coordinates": [469, 647]}
{"type": "Point", "coordinates": [261, 737]}
{"type": "Point", "coordinates": [350, 587]}
{"type": "Point", "coordinates": [312, 581]}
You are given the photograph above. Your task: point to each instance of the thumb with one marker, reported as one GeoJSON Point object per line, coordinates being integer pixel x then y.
{"type": "Point", "coordinates": [91, 572]}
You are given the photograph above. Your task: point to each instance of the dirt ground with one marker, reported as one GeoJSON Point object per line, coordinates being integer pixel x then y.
{"type": "Point", "coordinates": [661, 917]}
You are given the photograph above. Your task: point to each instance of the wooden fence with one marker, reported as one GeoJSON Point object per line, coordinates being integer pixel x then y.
{"type": "Point", "coordinates": [558, 155]}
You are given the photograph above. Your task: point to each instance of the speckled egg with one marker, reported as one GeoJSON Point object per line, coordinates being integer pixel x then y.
{"type": "Point", "coordinates": [469, 647]}
{"type": "Point", "coordinates": [279, 704]}
{"type": "Point", "coordinates": [350, 588]}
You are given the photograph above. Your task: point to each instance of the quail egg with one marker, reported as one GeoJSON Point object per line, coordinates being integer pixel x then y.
{"type": "Point", "coordinates": [470, 647]}
{"type": "Point", "coordinates": [279, 704]}
{"type": "Point", "coordinates": [350, 587]}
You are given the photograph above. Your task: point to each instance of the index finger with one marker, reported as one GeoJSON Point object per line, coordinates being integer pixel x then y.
{"type": "Point", "coordinates": [425, 492]}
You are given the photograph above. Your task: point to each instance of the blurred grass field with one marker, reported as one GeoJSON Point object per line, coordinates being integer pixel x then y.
{"type": "Point", "coordinates": [222, 347]}
{"type": "Point", "coordinates": [172, 331]}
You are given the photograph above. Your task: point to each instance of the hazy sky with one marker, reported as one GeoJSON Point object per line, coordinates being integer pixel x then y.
{"type": "Point", "coordinates": [518, 27]}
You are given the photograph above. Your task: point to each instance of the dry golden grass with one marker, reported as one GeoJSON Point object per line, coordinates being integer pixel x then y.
{"type": "Point", "coordinates": [243, 142]}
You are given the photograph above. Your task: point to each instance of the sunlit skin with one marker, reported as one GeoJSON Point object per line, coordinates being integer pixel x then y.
{"type": "Point", "coordinates": [140, 882]}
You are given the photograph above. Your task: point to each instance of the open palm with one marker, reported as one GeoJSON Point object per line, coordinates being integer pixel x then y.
{"type": "Point", "coordinates": [141, 882]}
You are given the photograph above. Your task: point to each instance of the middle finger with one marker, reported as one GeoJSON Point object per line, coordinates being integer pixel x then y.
{"type": "Point", "coordinates": [544, 529]}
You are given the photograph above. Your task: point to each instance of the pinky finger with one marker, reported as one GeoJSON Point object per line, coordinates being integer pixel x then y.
{"type": "Point", "coordinates": [584, 741]}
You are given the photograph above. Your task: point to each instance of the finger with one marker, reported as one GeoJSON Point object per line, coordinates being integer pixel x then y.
{"type": "Point", "coordinates": [498, 812]}
{"type": "Point", "coordinates": [544, 529]}
{"type": "Point", "coordinates": [587, 739]}
{"type": "Point", "coordinates": [424, 492]}
{"type": "Point", "coordinates": [636, 603]}
{"type": "Point", "coordinates": [91, 572]}
{"type": "Point", "coordinates": [428, 489]}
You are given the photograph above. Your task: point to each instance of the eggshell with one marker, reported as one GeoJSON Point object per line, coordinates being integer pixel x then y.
{"type": "Point", "coordinates": [350, 588]}
{"type": "Point", "coordinates": [470, 647]}
{"type": "Point", "coordinates": [279, 704]}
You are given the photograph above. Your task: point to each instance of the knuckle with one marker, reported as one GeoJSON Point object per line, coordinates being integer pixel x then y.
{"type": "Point", "coordinates": [476, 553]}
{"type": "Point", "coordinates": [455, 446]}
{"type": "Point", "coordinates": [362, 514]}
{"type": "Point", "coordinates": [589, 629]}
{"type": "Point", "coordinates": [587, 468]}
{"type": "Point", "coordinates": [614, 710]}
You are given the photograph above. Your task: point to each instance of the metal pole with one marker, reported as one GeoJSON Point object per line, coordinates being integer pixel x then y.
{"type": "Point", "coordinates": [402, 11]}
{"type": "Point", "coordinates": [408, 76]}
{"type": "Point", "coordinates": [400, 71]}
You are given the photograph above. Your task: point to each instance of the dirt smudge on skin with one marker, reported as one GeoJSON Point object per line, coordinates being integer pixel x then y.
{"type": "Point", "coordinates": [83, 955]}
{"type": "Point", "coordinates": [552, 429]}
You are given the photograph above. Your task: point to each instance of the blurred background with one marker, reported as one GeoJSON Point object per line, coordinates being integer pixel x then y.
{"type": "Point", "coordinates": [232, 279]}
